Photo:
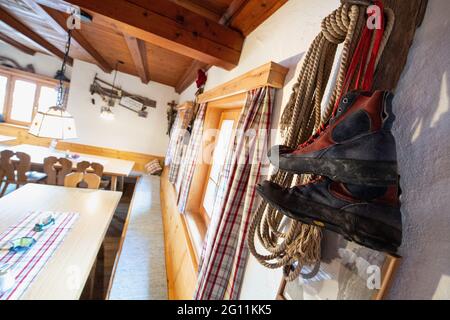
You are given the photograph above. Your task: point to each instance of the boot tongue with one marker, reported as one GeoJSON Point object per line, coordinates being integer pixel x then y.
{"type": "Point", "coordinates": [345, 103]}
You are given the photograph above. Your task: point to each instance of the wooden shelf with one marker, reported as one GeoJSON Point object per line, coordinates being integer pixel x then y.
{"type": "Point", "coordinates": [270, 74]}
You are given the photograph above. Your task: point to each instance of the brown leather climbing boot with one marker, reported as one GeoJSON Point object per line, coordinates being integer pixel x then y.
{"type": "Point", "coordinates": [369, 216]}
{"type": "Point", "coordinates": [356, 146]}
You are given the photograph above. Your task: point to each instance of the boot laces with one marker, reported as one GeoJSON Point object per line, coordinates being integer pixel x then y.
{"type": "Point", "coordinates": [315, 136]}
{"type": "Point", "coordinates": [321, 129]}
{"type": "Point", "coordinates": [314, 180]}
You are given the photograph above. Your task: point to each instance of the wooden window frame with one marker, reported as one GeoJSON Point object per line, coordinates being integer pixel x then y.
{"type": "Point", "coordinates": [40, 81]}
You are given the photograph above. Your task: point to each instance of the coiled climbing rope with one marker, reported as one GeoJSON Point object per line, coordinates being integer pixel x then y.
{"type": "Point", "coordinates": [295, 245]}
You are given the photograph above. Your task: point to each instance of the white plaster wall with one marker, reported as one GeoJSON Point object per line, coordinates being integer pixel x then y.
{"type": "Point", "coordinates": [422, 130]}
{"type": "Point", "coordinates": [127, 132]}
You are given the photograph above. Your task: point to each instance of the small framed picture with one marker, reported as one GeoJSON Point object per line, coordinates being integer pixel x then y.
{"type": "Point", "coordinates": [347, 271]}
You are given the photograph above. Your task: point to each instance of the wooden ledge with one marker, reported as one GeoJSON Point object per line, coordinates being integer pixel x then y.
{"type": "Point", "coordinates": [270, 74]}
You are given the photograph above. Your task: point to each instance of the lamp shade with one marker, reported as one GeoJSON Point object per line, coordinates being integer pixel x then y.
{"type": "Point", "coordinates": [56, 123]}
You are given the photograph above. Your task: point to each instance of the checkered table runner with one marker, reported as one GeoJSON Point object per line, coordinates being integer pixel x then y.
{"type": "Point", "coordinates": [25, 266]}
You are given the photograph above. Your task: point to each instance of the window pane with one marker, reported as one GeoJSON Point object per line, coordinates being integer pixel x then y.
{"type": "Point", "coordinates": [3, 84]}
{"type": "Point", "coordinates": [210, 197]}
{"type": "Point", "coordinates": [23, 101]}
{"type": "Point", "coordinates": [47, 98]}
{"type": "Point", "coordinates": [221, 148]}
{"type": "Point", "coordinates": [220, 153]}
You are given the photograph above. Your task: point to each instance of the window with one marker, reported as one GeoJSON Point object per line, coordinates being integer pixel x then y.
{"type": "Point", "coordinates": [220, 153]}
{"type": "Point", "coordinates": [22, 105]}
{"type": "Point", "coordinates": [22, 94]}
{"type": "Point", "coordinates": [228, 122]}
{"type": "Point", "coordinates": [3, 89]}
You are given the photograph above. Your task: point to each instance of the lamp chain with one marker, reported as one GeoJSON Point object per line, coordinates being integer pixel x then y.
{"type": "Point", "coordinates": [62, 72]}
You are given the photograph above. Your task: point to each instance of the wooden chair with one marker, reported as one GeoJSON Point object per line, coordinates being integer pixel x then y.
{"type": "Point", "coordinates": [74, 180]}
{"type": "Point", "coordinates": [94, 167]}
{"type": "Point", "coordinates": [17, 171]}
{"type": "Point", "coordinates": [56, 170]}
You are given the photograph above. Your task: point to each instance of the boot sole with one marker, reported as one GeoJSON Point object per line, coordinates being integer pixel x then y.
{"type": "Point", "coordinates": [371, 173]}
{"type": "Point", "coordinates": [358, 236]}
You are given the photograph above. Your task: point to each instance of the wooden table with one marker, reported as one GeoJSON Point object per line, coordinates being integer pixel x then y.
{"type": "Point", "coordinates": [111, 167]}
{"type": "Point", "coordinates": [66, 272]}
{"type": "Point", "coordinates": [6, 138]}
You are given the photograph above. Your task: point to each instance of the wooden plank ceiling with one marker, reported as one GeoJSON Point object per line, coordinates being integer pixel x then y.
{"type": "Point", "coordinates": [165, 41]}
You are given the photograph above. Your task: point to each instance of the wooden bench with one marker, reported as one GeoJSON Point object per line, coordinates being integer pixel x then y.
{"type": "Point", "coordinates": [139, 271]}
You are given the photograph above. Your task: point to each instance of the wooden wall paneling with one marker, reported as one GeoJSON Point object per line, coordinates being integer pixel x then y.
{"type": "Point", "coordinates": [173, 27]}
{"type": "Point", "coordinates": [408, 16]}
{"type": "Point", "coordinates": [185, 281]}
{"type": "Point", "coordinates": [181, 268]}
{"type": "Point", "coordinates": [140, 159]}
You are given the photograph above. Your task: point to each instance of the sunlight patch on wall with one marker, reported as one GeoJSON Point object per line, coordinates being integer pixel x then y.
{"type": "Point", "coordinates": [443, 106]}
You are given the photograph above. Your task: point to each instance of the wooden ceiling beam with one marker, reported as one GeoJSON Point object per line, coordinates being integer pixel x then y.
{"type": "Point", "coordinates": [254, 13]}
{"type": "Point", "coordinates": [14, 23]}
{"type": "Point", "coordinates": [37, 9]}
{"type": "Point", "coordinates": [233, 9]}
{"type": "Point", "coordinates": [172, 27]}
{"type": "Point", "coordinates": [59, 23]}
{"type": "Point", "coordinates": [190, 74]}
{"type": "Point", "coordinates": [138, 52]}
{"type": "Point", "coordinates": [17, 44]}
{"type": "Point", "coordinates": [205, 12]}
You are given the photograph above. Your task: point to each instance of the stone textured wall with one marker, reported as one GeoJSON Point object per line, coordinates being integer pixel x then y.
{"type": "Point", "coordinates": [422, 131]}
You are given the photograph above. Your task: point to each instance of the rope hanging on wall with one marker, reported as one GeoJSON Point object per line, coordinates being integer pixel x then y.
{"type": "Point", "coordinates": [298, 244]}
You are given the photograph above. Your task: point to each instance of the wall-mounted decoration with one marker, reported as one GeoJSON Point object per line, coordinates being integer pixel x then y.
{"type": "Point", "coordinates": [110, 94]}
{"type": "Point", "coordinates": [171, 115]}
{"type": "Point", "coordinates": [347, 271]}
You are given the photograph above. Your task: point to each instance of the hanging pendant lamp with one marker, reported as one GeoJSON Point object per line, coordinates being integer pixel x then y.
{"type": "Point", "coordinates": [56, 122]}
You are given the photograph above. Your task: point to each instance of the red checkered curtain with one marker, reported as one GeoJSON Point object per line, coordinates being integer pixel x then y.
{"type": "Point", "coordinates": [190, 158]}
{"type": "Point", "coordinates": [178, 141]}
{"type": "Point", "coordinates": [225, 249]}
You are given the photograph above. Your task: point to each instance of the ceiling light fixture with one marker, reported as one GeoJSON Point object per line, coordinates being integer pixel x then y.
{"type": "Point", "coordinates": [107, 114]}
{"type": "Point", "coordinates": [56, 122]}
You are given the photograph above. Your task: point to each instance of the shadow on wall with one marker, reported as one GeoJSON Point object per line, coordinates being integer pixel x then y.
{"type": "Point", "coordinates": [422, 131]}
